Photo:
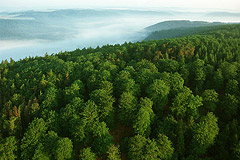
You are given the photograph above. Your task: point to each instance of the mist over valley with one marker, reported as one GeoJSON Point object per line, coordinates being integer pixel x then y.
{"type": "Point", "coordinates": [34, 33]}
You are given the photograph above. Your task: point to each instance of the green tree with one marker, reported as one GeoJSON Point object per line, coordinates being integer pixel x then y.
{"type": "Point", "coordinates": [31, 137]}
{"type": "Point", "coordinates": [210, 98]}
{"type": "Point", "coordinates": [165, 148]}
{"type": "Point", "coordinates": [40, 154]}
{"type": "Point", "coordinates": [168, 65]}
{"type": "Point", "coordinates": [114, 153]}
{"type": "Point", "coordinates": [105, 101]}
{"type": "Point", "coordinates": [232, 87]}
{"type": "Point", "coordinates": [229, 106]}
{"type": "Point", "coordinates": [75, 90]}
{"type": "Point", "coordinates": [136, 147]}
{"type": "Point", "coordinates": [204, 133]}
{"type": "Point", "coordinates": [141, 124]}
{"type": "Point", "coordinates": [176, 83]}
{"type": "Point", "coordinates": [185, 104]}
{"type": "Point", "coordinates": [51, 99]}
{"type": "Point", "coordinates": [86, 154]}
{"type": "Point", "coordinates": [159, 91]}
{"type": "Point", "coordinates": [198, 74]}
{"type": "Point", "coordinates": [127, 108]}
{"type": "Point", "coordinates": [8, 148]}
{"type": "Point", "coordinates": [102, 138]}
{"type": "Point", "coordinates": [64, 149]}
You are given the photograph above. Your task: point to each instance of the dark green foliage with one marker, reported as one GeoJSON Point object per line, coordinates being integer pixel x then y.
{"type": "Point", "coordinates": [102, 138]}
{"type": "Point", "coordinates": [210, 98]}
{"type": "Point", "coordinates": [165, 149]}
{"type": "Point", "coordinates": [75, 90]}
{"type": "Point", "coordinates": [159, 91]}
{"type": "Point", "coordinates": [32, 137]}
{"type": "Point", "coordinates": [142, 148]}
{"type": "Point", "coordinates": [185, 104]}
{"type": "Point", "coordinates": [166, 99]}
{"type": "Point", "coordinates": [53, 147]}
{"type": "Point", "coordinates": [127, 108]}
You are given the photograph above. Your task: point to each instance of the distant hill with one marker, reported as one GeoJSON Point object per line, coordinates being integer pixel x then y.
{"type": "Point", "coordinates": [84, 13]}
{"type": "Point", "coordinates": [60, 24]}
{"type": "Point", "coordinates": [178, 24]}
{"type": "Point", "coordinates": [30, 29]}
{"type": "Point", "coordinates": [181, 32]}
{"type": "Point", "coordinates": [223, 14]}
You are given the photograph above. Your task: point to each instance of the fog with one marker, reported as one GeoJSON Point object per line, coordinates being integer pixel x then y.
{"type": "Point", "coordinates": [34, 33]}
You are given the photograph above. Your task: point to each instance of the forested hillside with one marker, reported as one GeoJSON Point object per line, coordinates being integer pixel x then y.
{"type": "Point", "coordinates": [183, 31]}
{"type": "Point", "coordinates": [166, 99]}
{"type": "Point", "coordinates": [166, 25]}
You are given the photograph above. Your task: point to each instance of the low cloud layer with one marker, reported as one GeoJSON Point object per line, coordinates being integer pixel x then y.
{"type": "Point", "coordinates": [35, 33]}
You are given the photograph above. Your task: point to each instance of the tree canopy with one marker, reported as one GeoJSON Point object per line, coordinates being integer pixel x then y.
{"type": "Point", "coordinates": [164, 99]}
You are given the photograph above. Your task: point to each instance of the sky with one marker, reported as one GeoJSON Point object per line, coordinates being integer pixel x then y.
{"type": "Point", "coordinates": [221, 5]}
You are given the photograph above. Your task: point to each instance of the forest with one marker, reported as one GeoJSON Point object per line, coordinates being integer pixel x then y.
{"type": "Point", "coordinates": [169, 99]}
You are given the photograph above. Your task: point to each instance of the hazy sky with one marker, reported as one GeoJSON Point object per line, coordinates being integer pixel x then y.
{"type": "Point", "coordinates": [230, 5]}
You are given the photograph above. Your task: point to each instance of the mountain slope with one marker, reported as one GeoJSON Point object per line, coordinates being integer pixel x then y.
{"type": "Point", "coordinates": [179, 24]}
{"type": "Point", "coordinates": [181, 32]}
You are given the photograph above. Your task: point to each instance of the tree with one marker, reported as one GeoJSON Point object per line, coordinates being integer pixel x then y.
{"type": "Point", "coordinates": [167, 126]}
{"type": "Point", "coordinates": [151, 150]}
{"type": "Point", "coordinates": [8, 148]}
{"type": "Point", "coordinates": [218, 80]}
{"type": "Point", "coordinates": [64, 149]}
{"type": "Point", "coordinates": [232, 87]}
{"type": "Point", "coordinates": [40, 154]}
{"type": "Point", "coordinates": [82, 124]}
{"type": "Point", "coordinates": [159, 91]}
{"type": "Point", "coordinates": [31, 137]}
{"type": "Point", "coordinates": [125, 83]}
{"type": "Point", "coordinates": [143, 148]}
{"type": "Point", "coordinates": [185, 104]}
{"type": "Point", "coordinates": [198, 74]}
{"type": "Point", "coordinates": [141, 124]}
{"type": "Point", "coordinates": [168, 65]}
{"type": "Point", "coordinates": [51, 99]}
{"type": "Point", "coordinates": [127, 108]}
{"type": "Point", "coordinates": [53, 147]}
{"type": "Point", "coordinates": [145, 77]}
{"type": "Point", "coordinates": [114, 153]}
{"type": "Point", "coordinates": [204, 133]}
{"type": "Point", "coordinates": [102, 138]}
{"type": "Point", "coordinates": [147, 104]}
{"type": "Point", "coordinates": [210, 98]}
{"type": "Point", "coordinates": [136, 147]}
{"type": "Point", "coordinates": [86, 154]}
{"type": "Point", "coordinates": [105, 101]}
{"type": "Point", "coordinates": [176, 83]}
{"type": "Point", "coordinates": [75, 90]}
{"type": "Point", "coordinates": [229, 106]}
{"type": "Point", "coordinates": [229, 70]}
{"type": "Point", "coordinates": [73, 109]}
{"type": "Point", "coordinates": [52, 120]}
{"type": "Point", "coordinates": [165, 149]}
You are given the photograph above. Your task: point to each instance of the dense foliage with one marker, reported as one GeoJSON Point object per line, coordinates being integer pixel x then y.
{"type": "Point", "coordinates": [166, 99]}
